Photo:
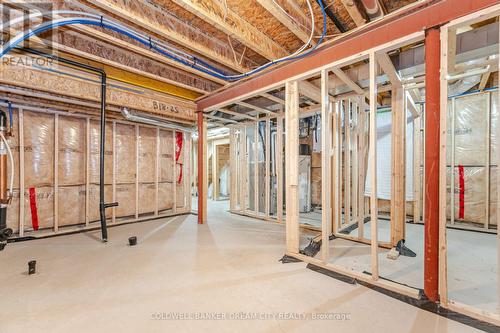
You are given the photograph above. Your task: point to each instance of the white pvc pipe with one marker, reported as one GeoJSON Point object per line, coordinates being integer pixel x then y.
{"type": "Point", "coordinates": [9, 152]}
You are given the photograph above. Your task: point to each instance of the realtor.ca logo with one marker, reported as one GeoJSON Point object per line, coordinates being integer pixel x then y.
{"type": "Point", "coordinates": [22, 18]}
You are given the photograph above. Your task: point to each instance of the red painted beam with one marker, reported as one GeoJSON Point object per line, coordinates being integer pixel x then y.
{"type": "Point", "coordinates": [415, 18]}
{"type": "Point", "coordinates": [431, 181]}
{"type": "Point", "coordinates": [201, 166]}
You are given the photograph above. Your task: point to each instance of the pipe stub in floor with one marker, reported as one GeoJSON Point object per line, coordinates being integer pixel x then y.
{"type": "Point", "coordinates": [31, 267]}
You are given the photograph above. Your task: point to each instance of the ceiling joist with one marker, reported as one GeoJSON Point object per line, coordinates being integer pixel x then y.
{"type": "Point", "coordinates": [220, 119]}
{"type": "Point", "coordinates": [348, 81]}
{"type": "Point", "coordinates": [388, 67]}
{"type": "Point", "coordinates": [257, 108]}
{"type": "Point", "coordinates": [226, 20]}
{"type": "Point", "coordinates": [233, 113]}
{"type": "Point", "coordinates": [354, 12]}
{"type": "Point", "coordinates": [276, 8]}
{"type": "Point", "coordinates": [273, 98]}
{"type": "Point", "coordinates": [148, 19]}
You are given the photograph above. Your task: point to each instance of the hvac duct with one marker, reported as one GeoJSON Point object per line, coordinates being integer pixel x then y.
{"type": "Point", "coordinates": [152, 120]}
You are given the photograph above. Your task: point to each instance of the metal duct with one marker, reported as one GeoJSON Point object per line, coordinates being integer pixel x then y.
{"type": "Point", "coordinates": [373, 9]}
{"type": "Point", "coordinates": [463, 85]}
{"type": "Point", "coordinates": [156, 121]}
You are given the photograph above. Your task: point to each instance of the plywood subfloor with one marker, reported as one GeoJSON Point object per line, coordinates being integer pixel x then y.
{"type": "Point", "coordinates": [228, 266]}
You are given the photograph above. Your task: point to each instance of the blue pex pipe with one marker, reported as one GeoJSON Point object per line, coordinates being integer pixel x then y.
{"type": "Point", "coordinates": [191, 61]}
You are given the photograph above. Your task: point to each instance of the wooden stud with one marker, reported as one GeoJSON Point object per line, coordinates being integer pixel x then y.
{"type": "Point", "coordinates": [484, 80]}
{"type": "Point", "coordinates": [398, 181]}
{"type": "Point", "coordinates": [487, 162]}
{"type": "Point", "coordinates": [267, 161]}
{"type": "Point", "coordinates": [113, 220]}
{"type": "Point", "coordinates": [238, 169]}
{"type": "Point", "coordinates": [232, 173]}
{"type": "Point", "coordinates": [452, 166]}
{"type": "Point", "coordinates": [56, 173]}
{"type": "Point", "coordinates": [355, 162]}
{"type": "Point", "coordinates": [452, 49]}
{"type": "Point", "coordinates": [174, 167]}
{"type": "Point", "coordinates": [215, 172]}
{"type": "Point", "coordinates": [157, 171]}
{"type": "Point", "coordinates": [443, 281]}
{"type": "Point", "coordinates": [189, 167]}
{"type": "Point", "coordinates": [87, 174]}
{"type": "Point", "coordinates": [410, 96]}
{"type": "Point", "coordinates": [186, 173]}
{"type": "Point", "coordinates": [334, 165]}
{"type": "Point", "coordinates": [325, 167]}
{"type": "Point", "coordinates": [21, 172]}
{"type": "Point", "coordinates": [339, 176]}
{"type": "Point", "coordinates": [279, 167]}
{"type": "Point", "coordinates": [361, 167]}
{"type": "Point", "coordinates": [244, 169]}
{"type": "Point", "coordinates": [137, 135]}
{"type": "Point", "coordinates": [417, 161]}
{"type": "Point", "coordinates": [373, 167]}
{"type": "Point", "coordinates": [205, 173]}
{"type": "Point", "coordinates": [256, 193]}
{"type": "Point", "coordinates": [340, 170]}
{"type": "Point", "coordinates": [498, 187]}
{"type": "Point", "coordinates": [347, 159]}
{"type": "Point", "coordinates": [292, 166]}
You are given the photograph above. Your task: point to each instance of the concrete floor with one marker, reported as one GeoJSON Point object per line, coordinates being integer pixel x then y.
{"type": "Point", "coordinates": [227, 267]}
{"type": "Point", "coordinates": [472, 261]}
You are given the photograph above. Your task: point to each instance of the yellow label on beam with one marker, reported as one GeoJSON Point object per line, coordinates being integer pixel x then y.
{"type": "Point", "coordinates": [137, 80]}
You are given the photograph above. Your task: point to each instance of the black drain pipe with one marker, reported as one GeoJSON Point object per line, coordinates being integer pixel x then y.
{"type": "Point", "coordinates": [102, 73]}
{"type": "Point", "coordinates": [332, 16]}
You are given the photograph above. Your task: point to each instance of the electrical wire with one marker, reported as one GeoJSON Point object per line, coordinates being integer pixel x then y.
{"type": "Point", "coordinates": [166, 50]}
{"type": "Point", "coordinates": [313, 19]}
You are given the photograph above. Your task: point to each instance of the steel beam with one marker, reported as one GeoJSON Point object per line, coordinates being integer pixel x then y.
{"type": "Point", "coordinates": [431, 181]}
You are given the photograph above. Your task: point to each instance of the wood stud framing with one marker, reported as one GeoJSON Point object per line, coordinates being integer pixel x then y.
{"type": "Point", "coordinates": [87, 224]}
{"type": "Point", "coordinates": [56, 173]}
{"type": "Point", "coordinates": [233, 25]}
{"type": "Point", "coordinates": [272, 7]}
{"type": "Point", "coordinates": [267, 174]}
{"type": "Point", "coordinates": [325, 163]}
{"type": "Point", "coordinates": [373, 167]}
{"type": "Point", "coordinates": [443, 292]}
{"type": "Point", "coordinates": [279, 168]}
{"type": "Point", "coordinates": [256, 194]}
{"type": "Point", "coordinates": [351, 111]}
{"type": "Point", "coordinates": [347, 105]}
{"type": "Point", "coordinates": [292, 166]}
{"type": "Point", "coordinates": [21, 172]}
{"type": "Point", "coordinates": [398, 183]}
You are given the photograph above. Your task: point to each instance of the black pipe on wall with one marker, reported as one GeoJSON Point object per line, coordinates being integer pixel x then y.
{"type": "Point", "coordinates": [102, 73]}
